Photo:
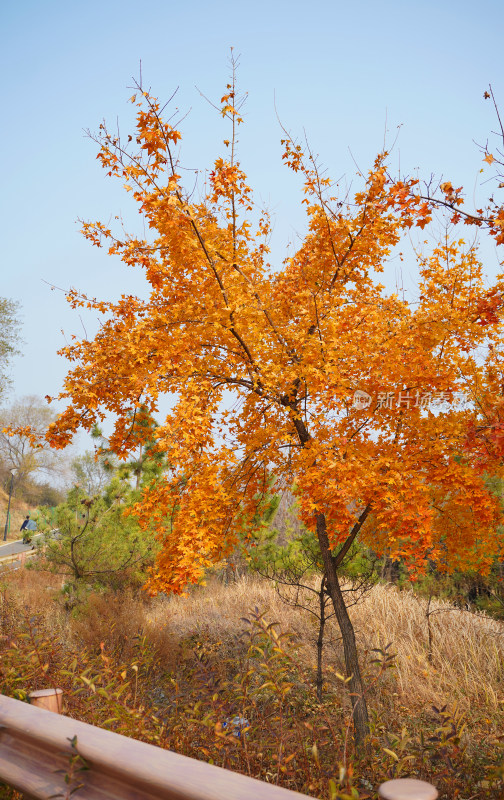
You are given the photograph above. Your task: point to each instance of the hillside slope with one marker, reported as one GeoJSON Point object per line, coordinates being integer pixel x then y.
{"type": "Point", "coordinates": [18, 511]}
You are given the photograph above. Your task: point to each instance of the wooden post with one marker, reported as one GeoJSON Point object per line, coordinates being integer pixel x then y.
{"type": "Point", "coordinates": [407, 789]}
{"type": "Point", "coordinates": [50, 699]}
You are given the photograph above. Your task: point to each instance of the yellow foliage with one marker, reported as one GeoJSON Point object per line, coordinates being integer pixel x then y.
{"type": "Point", "coordinates": [293, 346]}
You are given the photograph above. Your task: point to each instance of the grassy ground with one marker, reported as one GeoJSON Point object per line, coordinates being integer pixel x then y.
{"type": "Point", "coordinates": [173, 670]}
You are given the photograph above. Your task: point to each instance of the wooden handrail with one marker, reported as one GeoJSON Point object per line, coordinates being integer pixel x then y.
{"type": "Point", "coordinates": [36, 754]}
{"type": "Point", "coordinates": [45, 755]}
{"type": "Point", "coordinates": [10, 559]}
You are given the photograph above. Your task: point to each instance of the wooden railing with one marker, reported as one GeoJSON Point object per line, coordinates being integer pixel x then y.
{"type": "Point", "coordinates": [46, 755]}
{"type": "Point", "coordinates": [15, 560]}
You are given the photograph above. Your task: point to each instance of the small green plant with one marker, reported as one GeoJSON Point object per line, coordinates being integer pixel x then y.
{"type": "Point", "coordinates": [76, 765]}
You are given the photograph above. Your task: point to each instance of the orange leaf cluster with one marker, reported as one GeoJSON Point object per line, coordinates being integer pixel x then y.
{"type": "Point", "coordinates": [263, 364]}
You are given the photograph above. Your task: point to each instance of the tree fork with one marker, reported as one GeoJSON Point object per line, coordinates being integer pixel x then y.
{"type": "Point", "coordinates": [359, 705]}
{"type": "Point", "coordinates": [331, 563]}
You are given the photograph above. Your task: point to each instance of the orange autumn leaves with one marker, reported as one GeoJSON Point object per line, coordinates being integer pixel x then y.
{"type": "Point", "coordinates": [263, 362]}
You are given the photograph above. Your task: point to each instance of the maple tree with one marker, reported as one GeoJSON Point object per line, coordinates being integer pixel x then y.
{"type": "Point", "coordinates": [291, 344]}
{"type": "Point", "coordinates": [485, 434]}
{"type": "Point", "coordinates": [444, 195]}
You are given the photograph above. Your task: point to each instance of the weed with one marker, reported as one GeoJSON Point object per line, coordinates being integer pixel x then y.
{"type": "Point", "coordinates": [176, 672]}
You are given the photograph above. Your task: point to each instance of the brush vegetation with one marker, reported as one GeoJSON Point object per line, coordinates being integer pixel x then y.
{"type": "Point", "coordinates": [176, 672]}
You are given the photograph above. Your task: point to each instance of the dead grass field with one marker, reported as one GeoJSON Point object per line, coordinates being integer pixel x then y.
{"type": "Point", "coordinates": [468, 649]}
{"type": "Point", "coordinates": [465, 673]}
{"type": "Point", "coordinates": [467, 664]}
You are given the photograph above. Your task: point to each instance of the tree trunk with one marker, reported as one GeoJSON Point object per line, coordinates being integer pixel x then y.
{"type": "Point", "coordinates": [331, 564]}
{"type": "Point", "coordinates": [359, 706]}
{"type": "Point", "coordinates": [320, 639]}
{"type": "Point", "coordinates": [390, 571]}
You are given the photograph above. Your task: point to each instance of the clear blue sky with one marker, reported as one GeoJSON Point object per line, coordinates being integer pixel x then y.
{"type": "Point", "coordinates": [340, 71]}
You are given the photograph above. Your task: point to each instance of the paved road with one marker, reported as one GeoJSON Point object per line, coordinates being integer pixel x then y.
{"type": "Point", "coordinates": [12, 548]}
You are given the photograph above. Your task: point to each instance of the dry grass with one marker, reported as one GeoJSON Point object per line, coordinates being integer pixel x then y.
{"type": "Point", "coordinates": [198, 652]}
{"type": "Point", "coordinates": [468, 649]}
{"type": "Point", "coordinates": [35, 590]}
{"type": "Point", "coordinates": [467, 665]}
